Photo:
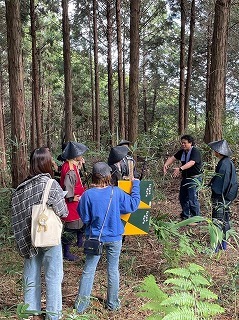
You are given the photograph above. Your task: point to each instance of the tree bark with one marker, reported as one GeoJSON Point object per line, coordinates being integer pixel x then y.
{"type": "Point", "coordinates": [120, 72]}
{"type": "Point", "coordinates": [189, 65]}
{"type": "Point", "coordinates": [145, 106]}
{"type": "Point", "coordinates": [134, 70]}
{"type": "Point", "coordinates": [37, 115]}
{"type": "Point", "coordinates": [91, 76]}
{"type": "Point", "coordinates": [16, 92]}
{"type": "Point", "coordinates": [181, 124]}
{"type": "Point", "coordinates": [217, 83]}
{"type": "Point", "coordinates": [97, 85]}
{"type": "Point", "coordinates": [3, 167]}
{"type": "Point", "coordinates": [110, 70]}
{"type": "Point", "coordinates": [67, 72]}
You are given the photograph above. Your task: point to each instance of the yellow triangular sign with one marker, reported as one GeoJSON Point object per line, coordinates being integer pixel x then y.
{"type": "Point", "coordinates": [130, 229]}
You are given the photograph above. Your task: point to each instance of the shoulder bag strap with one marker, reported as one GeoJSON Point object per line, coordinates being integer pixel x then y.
{"type": "Point", "coordinates": [111, 196]}
{"type": "Point", "coordinates": [46, 192]}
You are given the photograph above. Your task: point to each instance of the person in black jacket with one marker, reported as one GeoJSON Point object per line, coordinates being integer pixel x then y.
{"type": "Point", "coordinates": [224, 187]}
{"type": "Point", "coordinates": [190, 171]}
{"type": "Point", "coordinates": [122, 165]}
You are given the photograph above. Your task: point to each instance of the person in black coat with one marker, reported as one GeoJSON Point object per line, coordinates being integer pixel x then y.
{"type": "Point", "coordinates": [224, 188]}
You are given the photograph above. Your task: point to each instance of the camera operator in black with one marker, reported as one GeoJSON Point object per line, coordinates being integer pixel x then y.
{"type": "Point", "coordinates": [122, 164]}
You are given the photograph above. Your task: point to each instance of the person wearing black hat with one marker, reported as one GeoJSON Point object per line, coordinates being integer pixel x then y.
{"type": "Point", "coordinates": [224, 188]}
{"type": "Point", "coordinates": [124, 143]}
{"type": "Point", "coordinates": [122, 165]}
{"type": "Point", "coordinates": [190, 171]}
{"type": "Point", "coordinates": [71, 182]}
{"type": "Point", "coordinates": [100, 209]}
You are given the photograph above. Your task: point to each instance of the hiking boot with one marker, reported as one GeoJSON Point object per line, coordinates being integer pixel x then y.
{"type": "Point", "coordinates": [67, 255]}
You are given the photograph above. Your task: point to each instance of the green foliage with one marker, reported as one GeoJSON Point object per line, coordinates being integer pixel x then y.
{"type": "Point", "coordinates": [5, 223]}
{"type": "Point", "coordinates": [23, 312]}
{"type": "Point", "coordinates": [175, 243]}
{"type": "Point", "coordinates": [189, 295]}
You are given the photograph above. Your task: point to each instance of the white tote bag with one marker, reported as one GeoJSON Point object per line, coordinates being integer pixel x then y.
{"type": "Point", "coordinates": [46, 226]}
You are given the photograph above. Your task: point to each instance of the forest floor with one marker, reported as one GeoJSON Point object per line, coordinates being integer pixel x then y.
{"type": "Point", "coordinates": [141, 256]}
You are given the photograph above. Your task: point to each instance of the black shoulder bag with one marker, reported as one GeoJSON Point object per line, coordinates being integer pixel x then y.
{"type": "Point", "coordinates": [95, 246]}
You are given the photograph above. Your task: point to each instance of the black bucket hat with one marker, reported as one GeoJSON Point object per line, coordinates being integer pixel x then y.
{"type": "Point", "coordinates": [101, 168]}
{"type": "Point", "coordinates": [221, 146]}
{"type": "Point", "coordinates": [73, 150]}
{"type": "Point", "coordinates": [117, 153]}
{"type": "Point", "coordinates": [124, 142]}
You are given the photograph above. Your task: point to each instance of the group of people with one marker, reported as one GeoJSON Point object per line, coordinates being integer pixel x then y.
{"type": "Point", "coordinates": [95, 212]}
{"type": "Point", "coordinates": [223, 185]}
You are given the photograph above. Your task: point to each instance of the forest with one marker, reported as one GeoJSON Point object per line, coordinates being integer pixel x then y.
{"type": "Point", "coordinates": [97, 72]}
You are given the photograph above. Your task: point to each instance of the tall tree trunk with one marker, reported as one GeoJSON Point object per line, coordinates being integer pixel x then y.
{"type": "Point", "coordinates": [3, 167]}
{"type": "Point", "coordinates": [37, 120]}
{"type": "Point", "coordinates": [97, 85]}
{"type": "Point", "coordinates": [110, 70]}
{"type": "Point", "coordinates": [189, 65]}
{"type": "Point", "coordinates": [134, 70]}
{"type": "Point", "coordinates": [120, 72]}
{"type": "Point", "coordinates": [124, 87]}
{"type": "Point", "coordinates": [217, 84]}
{"type": "Point", "coordinates": [67, 71]}
{"type": "Point", "coordinates": [145, 107]}
{"type": "Point", "coordinates": [209, 52]}
{"type": "Point", "coordinates": [91, 76]}
{"type": "Point", "coordinates": [16, 92]}
{"type": "Point", "coordinates": [181, 124]}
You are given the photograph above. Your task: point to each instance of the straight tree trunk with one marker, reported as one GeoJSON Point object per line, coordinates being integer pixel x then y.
{"type": "Point", "coordinates": [37, 116]}
{"type": "Point", "coordinates": [181, 124]}
{"type": "Point", "coordinates": [67, 71]}
{"type": "Point", "coordinates": [134, 70]}
{"type": "Point", "coordinates": [145, 106]}
{"type": "Point", "coordinates": [124, 88]}
{"type": "Point", "coordinates": [120, 72]}
{"type": "Point", "coordinates": [209, 52]}
{"type": "Point", "coordinates": [16, 92]}
{"type": "Point", "coordinates": [3, 167]}
{"type": "Point", "coordinates": [189, 65]}
{"type": "Point", "coordinates": [110, 70]}
{"type": "Point", "coordinates": [97, 85]}
{"type": "Point", "coordinates": [217, 84]}
{"type": "Point", "coordinates": [91, 76]}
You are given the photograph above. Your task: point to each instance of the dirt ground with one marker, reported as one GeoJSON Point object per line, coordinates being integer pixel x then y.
{"type": "Point", "coordinates": [141, 256]}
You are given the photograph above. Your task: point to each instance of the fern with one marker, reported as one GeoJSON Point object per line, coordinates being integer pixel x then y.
{"type": "Point", "coordinates": [191, 299]}
{"type": "Point", "coordinates": [184, 313]}
{"type": "Point", "coordinates": [180, 299]}
{"type": "Point", "coordinates": [207, 294]}
{"type": "Point", "coordinates": [199, 280]}
{"type": "Point", "coordinates": [155, 292]}
{"type": "Point", "coordinates": [182, 283]}
{"type": "Point", "coordinates": [181, 272]}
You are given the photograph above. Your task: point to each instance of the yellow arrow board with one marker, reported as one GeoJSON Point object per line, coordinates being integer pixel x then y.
{"type": "Point", "coordinates": [138, 222]}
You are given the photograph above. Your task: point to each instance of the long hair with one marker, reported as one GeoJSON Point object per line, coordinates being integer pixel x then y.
{"type": "Point", "coordinates": [41, 162]}
{"type": "Point", "coordinates": [100, 181]}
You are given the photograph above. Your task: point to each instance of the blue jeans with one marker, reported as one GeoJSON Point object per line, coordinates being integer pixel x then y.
{"type": "Point", "coordinates": [113, 250]}
{"type": "Point", "coordinates": [52, 261]}
{"type": "Point", "coordinates": [188, 198]}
